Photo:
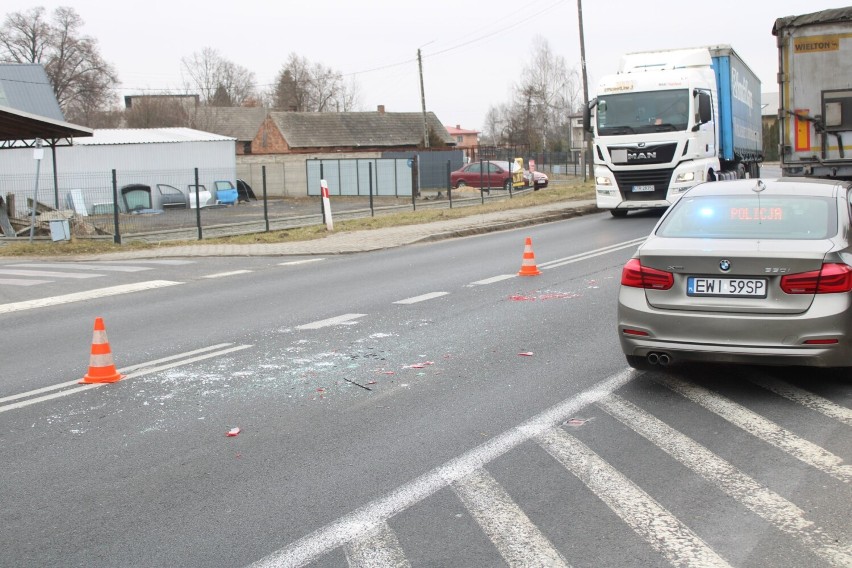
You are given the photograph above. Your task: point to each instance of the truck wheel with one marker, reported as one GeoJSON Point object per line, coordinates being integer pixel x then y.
{"type": "Point", "coordinates": [618, 212]}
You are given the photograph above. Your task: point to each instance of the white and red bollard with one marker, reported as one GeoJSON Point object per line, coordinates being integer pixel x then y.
{"type": "Point", "coordinates": [326, 206]}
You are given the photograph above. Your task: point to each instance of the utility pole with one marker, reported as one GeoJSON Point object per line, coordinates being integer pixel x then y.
{"type": "Point", "coordinates": [590, 161]}
{"type": "Point", "coordinates": [423, 100]}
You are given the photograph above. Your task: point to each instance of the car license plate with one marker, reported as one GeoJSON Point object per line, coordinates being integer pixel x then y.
{"type": "Point", "coordinates": [740, 287]}
{"type": "Point", "coordinates": [639, 188]}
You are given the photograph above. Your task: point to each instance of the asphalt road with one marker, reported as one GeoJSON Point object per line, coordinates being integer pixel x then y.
{"type": "Point", "coordinates": [421, 406]}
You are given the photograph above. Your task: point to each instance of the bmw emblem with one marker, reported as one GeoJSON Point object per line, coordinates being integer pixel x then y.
{"type": "Point", "coordinates": [725, 265]}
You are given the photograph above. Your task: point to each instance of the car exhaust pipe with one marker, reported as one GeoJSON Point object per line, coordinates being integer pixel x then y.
{"type": "Point", "coordinates": [653, 358]}
{"type": "Point", "coordinates": [664, 359]}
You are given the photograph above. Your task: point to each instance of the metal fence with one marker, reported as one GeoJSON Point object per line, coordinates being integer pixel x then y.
{"type": "Point", "coordinates": [125, 206]}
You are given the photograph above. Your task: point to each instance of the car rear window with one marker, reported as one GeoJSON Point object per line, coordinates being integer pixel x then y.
{"type": "Point", "coordinates": [751, 217]}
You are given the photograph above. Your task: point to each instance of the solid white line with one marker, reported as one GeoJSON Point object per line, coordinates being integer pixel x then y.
{"type": "Point", "coordinates": [491, 280]}
{"type": "Point", "coordinates": [11, 282]}
{"type": "Point", "coordinates": [123, 371]}
{"type": "Point", "coordinates": [422, 298]}
{"type": "Point", "coordinates": [345, 318]}
{"type": "Point", "coordinates": [761, 428]}
{"type": "Point", "coordinates": [351, 526]}
{"type": "Point", "coordinates": [377, 548]}
{"type": "Point", "coordinates": [83, 266]}
{"type": "Point", "coordinates": [785, 516]}
{"type": "Point", "coordinates": [297, 262]}
{"type": "Point", "coordinates": [516, 537]}
{"type": "Point", "coordinates": [141, 373]}
{"type": "Point", "coordinates": [223, 274]}
{"type": "Point", "coordinates": [805, 398]}
{"type": "Point", "coordinates": [81, 296]}
{"type": "Point", "coordinates": [650, 520]}
{"type": "Point", "coordinates": [590, 254]}
{"type": "Point", "coordinates": [47, 274]}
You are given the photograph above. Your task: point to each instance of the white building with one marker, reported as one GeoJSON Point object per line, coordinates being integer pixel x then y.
{"type": "Point", "coordinates": [148, 156]}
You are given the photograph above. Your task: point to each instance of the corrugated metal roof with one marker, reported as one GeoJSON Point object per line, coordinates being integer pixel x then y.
{"type": "Point", "coordinates": [26, 87]}
{"type": "Point", "coordinates": [354, 129]}
{"type": "Point", "coordinates": [109, 136]}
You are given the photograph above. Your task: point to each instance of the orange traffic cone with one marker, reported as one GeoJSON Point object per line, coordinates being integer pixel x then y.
{"type": "Point", "coordinates": [101, 367]}
{"type": "Point", "coordinates": [528, 267]}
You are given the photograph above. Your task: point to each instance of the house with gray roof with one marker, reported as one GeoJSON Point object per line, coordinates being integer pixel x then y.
{"type": "Point", "coordinates": [241, 123]}
{"type": "Point", "coordinates": [335, 132]}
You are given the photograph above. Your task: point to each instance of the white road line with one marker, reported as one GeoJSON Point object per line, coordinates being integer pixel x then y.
{"type": "Point", "coordinates": [516, 537]}
{"type": "Point", "coordinates": [377, 548]}
{"type": "Point", "coordinates": [166, 262]}
{"type": "Point", "coordinates": [339, 320]}
{"type": "Point", "coordinates": [589, 254]}
{"type": "Point", "coordinates": [144, 371]}
{"type": "Point", "coordinates": [422, 298]}
{"type": "Point", "coordinates": [11, 282]}
{"type": "Point", "coordinates": [650, 520]}
{"type": "Point", "coordinates": [47, 274]}
{"type": "Point", "coordinates": [785, 516]}
{"type": "Point", "coordinates": [297, 262]}
{"type": "Point", "coordinates": [563, 261]}
{"type": "Point", "coordinates": [83, 266]}
{"type": "Point", "coordinates": [491, 280]}
{"type": "Point", "coordinates": [761, 428]}
{"type": "Point", "coordinates": [224, 274]}
{"type": "Point", "coordinates": [351, 526]}
{"type": "Point", "coordinates": [81, 296]}
{"type": "Point", "coordinates": [805, 398]}
{"type": "Point", "coordinates": [123, 371]}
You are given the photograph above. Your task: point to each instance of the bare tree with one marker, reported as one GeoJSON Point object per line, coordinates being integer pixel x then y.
{"type": "Point", "coordinates": [303, 86]}
{"type": "Point", "coordinates": [220, 82]}
{"type": "Point", "coordinates": [82, 80]}
{"type": "Point", "coordinates": [157, 111]}
{"type": "Point", "coordinates": [541, 104]}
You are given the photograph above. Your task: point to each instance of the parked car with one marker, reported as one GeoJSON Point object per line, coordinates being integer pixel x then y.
{"type": "Point", "coordinates": [746, 271]}
{"type": "Point", "coordinates": [484, 175]}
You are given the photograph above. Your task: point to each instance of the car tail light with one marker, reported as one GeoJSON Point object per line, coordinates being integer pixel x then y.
{"type": "Point", "coordinates": [830, 279]}
{"type": "Point", "coordinates": [637, 276]}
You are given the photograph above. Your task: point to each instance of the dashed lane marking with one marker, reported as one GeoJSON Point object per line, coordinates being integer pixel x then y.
{"type": "Point", "coordinates": [225, 274]}
{"type": "Point", "coordinates": [422, 298]}
{"type": "Point", "coordinates": [339, 320]}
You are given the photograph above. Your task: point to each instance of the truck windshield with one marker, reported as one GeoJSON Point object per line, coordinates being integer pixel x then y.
{"type": "Point", "coordinates": [651, 111]}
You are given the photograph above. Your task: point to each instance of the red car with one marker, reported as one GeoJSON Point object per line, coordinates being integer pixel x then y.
{"type": "Point", "coordinates": [485, 174]}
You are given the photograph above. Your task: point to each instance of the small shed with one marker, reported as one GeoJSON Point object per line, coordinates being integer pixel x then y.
{"type": "Point", "coordinates": [148, 156]}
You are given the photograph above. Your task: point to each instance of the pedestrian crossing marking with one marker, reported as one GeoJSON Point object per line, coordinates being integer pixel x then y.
{"type": "Point", "coordinates": [767, 504]}
{"type": "Point", "coordinates": [661, 530]}
{"type": "Point", "coordinates": [518, 540]}
{"type": "Point", "coordinates": [760, 427]}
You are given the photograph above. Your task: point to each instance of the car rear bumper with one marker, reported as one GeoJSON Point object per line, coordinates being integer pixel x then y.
{"type": "Point", "coordinates": [765, 339]}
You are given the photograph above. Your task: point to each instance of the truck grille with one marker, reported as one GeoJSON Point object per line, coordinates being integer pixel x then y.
{"type": "Point", "coordinates": [660, 179]}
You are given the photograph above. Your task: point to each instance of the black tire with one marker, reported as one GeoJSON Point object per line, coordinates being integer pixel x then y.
{"type": "Point", "coordinates": [460, 183]}
{"type": "Point", "coordinates": [619, 213]}
{"type": "Point", "coordinates": [507, 185]}
{"type": "Point", "coordinates": [638, 363]}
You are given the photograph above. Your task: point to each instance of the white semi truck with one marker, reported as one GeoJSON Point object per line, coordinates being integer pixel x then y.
{"type": "Point", "coordinates": [815, 93]}
{"type": "Point", "coordinates": [669, 120]}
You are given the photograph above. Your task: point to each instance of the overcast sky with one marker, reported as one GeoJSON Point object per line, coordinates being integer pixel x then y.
{"type": "Point", "coordinates": [472, 51]}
